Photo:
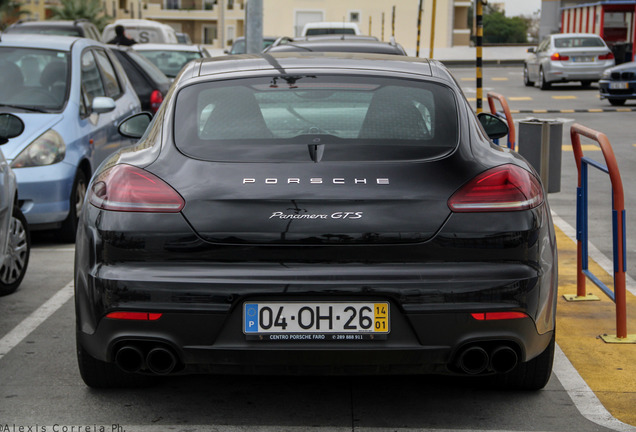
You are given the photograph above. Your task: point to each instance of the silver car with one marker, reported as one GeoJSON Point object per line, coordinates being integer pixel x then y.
{"type": "Point", "coordinates": [15, 244]}
{"type": "Point", "coordinates": [567, 57]}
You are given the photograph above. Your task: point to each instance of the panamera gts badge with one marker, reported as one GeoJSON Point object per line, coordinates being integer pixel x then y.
{"type": "Point", "coordinates": [316, 180]}
{"type": "Point", "coordinates": [335, 215]}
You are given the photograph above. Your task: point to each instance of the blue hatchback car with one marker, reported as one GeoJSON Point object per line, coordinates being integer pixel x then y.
{"type": "Point", "coordinates": [71, 93]}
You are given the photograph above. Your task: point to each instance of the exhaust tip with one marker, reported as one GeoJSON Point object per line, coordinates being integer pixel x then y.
{"type": "Point", "coordinates": [129, 359]}
{"type": "Point", "coordinates": [503, 359]}
{"type": "Point", "coordinates": [473, 360]}
{"type": "Point", "coordinates": [161, 361]}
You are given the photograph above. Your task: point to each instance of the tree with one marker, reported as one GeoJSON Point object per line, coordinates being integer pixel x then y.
{"type": "Point", "coordinates": [499, 29]}
{"type": "Point", "coordinates": [9, 12]}
{"type": "Point", "coordinates": [76, 9]}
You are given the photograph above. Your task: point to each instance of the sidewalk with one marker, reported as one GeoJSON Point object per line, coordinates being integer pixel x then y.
{"type": "Point", "coordinates": [608, 369]}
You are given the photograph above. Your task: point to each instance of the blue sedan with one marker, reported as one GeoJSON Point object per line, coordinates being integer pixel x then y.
{"type": "Point", "coordinates": [71, 93]}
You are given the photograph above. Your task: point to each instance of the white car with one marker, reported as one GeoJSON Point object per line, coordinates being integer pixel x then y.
{"type": "Point", "coordinates": [170, 58]}
{"type": "Point", "coordinates": [567, 57]}
{"type": "Point", "coordinates": [142, 31]}
{"type": "Point", "coordinates": [15, 244]}
{"type": "Point", "coordinates": [324, 27]}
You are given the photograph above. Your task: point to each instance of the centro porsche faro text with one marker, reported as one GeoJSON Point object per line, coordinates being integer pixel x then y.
{"type": "Point", "coordinates": [336, 215]}
{"type": "Point", "coordinates": [317, 180]}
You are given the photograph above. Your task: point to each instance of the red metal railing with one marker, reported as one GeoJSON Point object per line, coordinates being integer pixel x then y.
{"type": "Point", "coordinates": [506, 110]}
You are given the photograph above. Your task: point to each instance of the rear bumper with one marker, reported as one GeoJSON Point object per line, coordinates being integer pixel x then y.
{"type": "Point", "coordinates": [431, 296]}
{"type": "Point", "coordinates": [558, 72]}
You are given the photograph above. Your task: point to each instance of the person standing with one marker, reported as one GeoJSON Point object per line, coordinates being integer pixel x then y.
{"type": "Point", "coordinates": [120, 38]}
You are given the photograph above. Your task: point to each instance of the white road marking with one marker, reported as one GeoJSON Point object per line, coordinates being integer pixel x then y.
{"type": "Point", "coordinates": [30, 323]}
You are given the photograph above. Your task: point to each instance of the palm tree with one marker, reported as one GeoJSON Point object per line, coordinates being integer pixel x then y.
{"type": "Point", "coordinates": [9, 12]}
{"type": "Point", "coordinates": [76, 9]}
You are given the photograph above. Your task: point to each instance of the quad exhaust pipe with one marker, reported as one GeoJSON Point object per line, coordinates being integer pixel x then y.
{"type": "Point", "coordinates": [159, 360]}
{"type": "Point", "coordinates": [475, 359]}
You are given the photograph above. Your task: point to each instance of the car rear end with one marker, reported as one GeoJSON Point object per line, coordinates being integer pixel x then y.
{"type": "Point", "coordinates": [578, 57]}
{"type": "Point", "coordinates": [297, 220]}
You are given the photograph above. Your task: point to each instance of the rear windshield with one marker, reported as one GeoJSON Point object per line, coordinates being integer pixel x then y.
{"type": "Point", "coordinates": [324, 31]}
{"type": "Point", "coordinates": [52, 30]}
{"type": "Point", "coordinates": [170, 62]}
{"type": "Point", "coordinates": [301, 118]}
{"type": "Point", "coordinates": [578, 42]}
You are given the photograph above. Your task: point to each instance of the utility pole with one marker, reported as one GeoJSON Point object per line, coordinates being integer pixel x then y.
{"type": "Point", "coordinates": [254, 27]}
{"type": "Point", "coordinates": [480, 32]}
{"type": "Point", "coordinates": [419, 27]}
{"type": "Point", "coordinates": [433, 29]}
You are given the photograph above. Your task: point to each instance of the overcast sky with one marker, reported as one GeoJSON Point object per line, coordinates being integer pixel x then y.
{"type": "Point", "coordinates": [520, 7]}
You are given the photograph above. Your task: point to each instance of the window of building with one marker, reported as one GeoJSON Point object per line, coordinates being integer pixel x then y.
{"type": "Point", "coordinates": [354, 16]}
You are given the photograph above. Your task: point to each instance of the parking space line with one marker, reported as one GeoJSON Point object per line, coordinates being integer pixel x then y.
{"type": "Point", "coordinates": [519, 98]}
{"type": "Point", "coordinates": [584, 147]}
{"type": "Point", "coordinates": [30, 323]}
{"type": "Point", "coordinates": [499, 79]}
{"type": "Point", "coordinates": [561, 97]}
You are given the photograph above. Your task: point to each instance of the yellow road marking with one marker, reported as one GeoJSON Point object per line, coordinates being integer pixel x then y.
{"type": "Point", "coordinates": [539, 111]}
{"type": "Point", "coordinates": [584, 147]}
{"type": "Point", "coordinates": [520, 98]}
{"type": "Point", "coordinates": [564, 97]}
{"type": "Point", "coordinates": [500, 79]}
{"type": "Point", "coordinates": [623, 109]}
{"type": "Point", "coordinates": [567, 111]}
{"type": "Point", "coordinates": [469, 79]}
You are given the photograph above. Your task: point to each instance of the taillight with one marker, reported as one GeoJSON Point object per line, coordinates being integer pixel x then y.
{"type": "Point", "coordinates": [608, 56]}
{"type": "Point", "coordinates": [155, 100]}
{"type": "Point", "coordinates": [131, 189]}
{"type": "Point", "coordinates": [504, 188]}
{"type": "Point", "coordinates": [492, 316]}
{"type": "Point", "coordinates": [559, 57]}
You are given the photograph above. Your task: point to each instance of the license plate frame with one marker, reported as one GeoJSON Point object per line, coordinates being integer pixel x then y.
{"type": "Point", "coordinates": [619, 85]}
{"type": "Point", "coordinates": [316, 320]}
{"type": "Point", "coordinates": [583, 59]}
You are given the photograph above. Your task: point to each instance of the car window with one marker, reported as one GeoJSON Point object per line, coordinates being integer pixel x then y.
{"type": "Point", "coordinates": [138, 81]}
{"type": "Point", "coordinates": [36, 78]}
{"type": "Point", "coordinates": [109, 77]}
{"type": "Point", "coordinates": [92, 85]}
{"type": "Point", "coordinates": [52, 30]}
{"type": "Point", "coordinates": [170, 62]}
{"type": "Point", "coordinates": [578, 42]}
{"type": "Point", "coordinates": [149, 68]}
{"type": "Point", "coordinates": [276, 118]}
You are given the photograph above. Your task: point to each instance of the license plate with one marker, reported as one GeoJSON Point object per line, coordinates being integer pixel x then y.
{"type": "Point", "coordinates": [316, 318]}
{"type": "Point", "coordinates": [620, 85]}
{"type": "Point", "coordinates": [582, 59]}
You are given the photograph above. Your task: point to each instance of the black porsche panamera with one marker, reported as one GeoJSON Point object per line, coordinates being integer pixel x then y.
{"type": "Point", "coordinates": [315, 213]}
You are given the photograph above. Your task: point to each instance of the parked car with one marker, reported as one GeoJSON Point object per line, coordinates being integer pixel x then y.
{"type": "Point", "coordinates": [142, 31]}
{"type": "Point", "coordinates": [239, 46]}
{"type": "Point", "coordinates": [15, 242]}
{"type": "Point", "coordinates": [315, 214]}
{"type": "Point", "coordinates": [567, 57]}
{"type": "Point", "coordinates": [184, 38]}
{"type": "Point", "coordinates": [618, 84]}
{"type": "Point", "coordinates": [150, 84]}
{"type": "Point", "coordinates": [324, 27]}
{"type": "Point", "coordinates": [170, 58]}
{"type": "Point", "coordinates": [336, 43]}
{"type": "Point", "coordinates": [70, 93]}
{"type": "Point", "coordinates": [79, 27]}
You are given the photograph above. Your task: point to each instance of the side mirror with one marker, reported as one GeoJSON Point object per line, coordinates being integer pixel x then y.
{"type": "Point", "coordinates": [530, 50]}
{"type": "Point", "coordinates": [135, 126]}
{"type": "Point", "coordinates": [11, 126]}
{"type": "Point", "coordinates": [103, 104]}
{"type": "Point", "coordinates": [494, 126]}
